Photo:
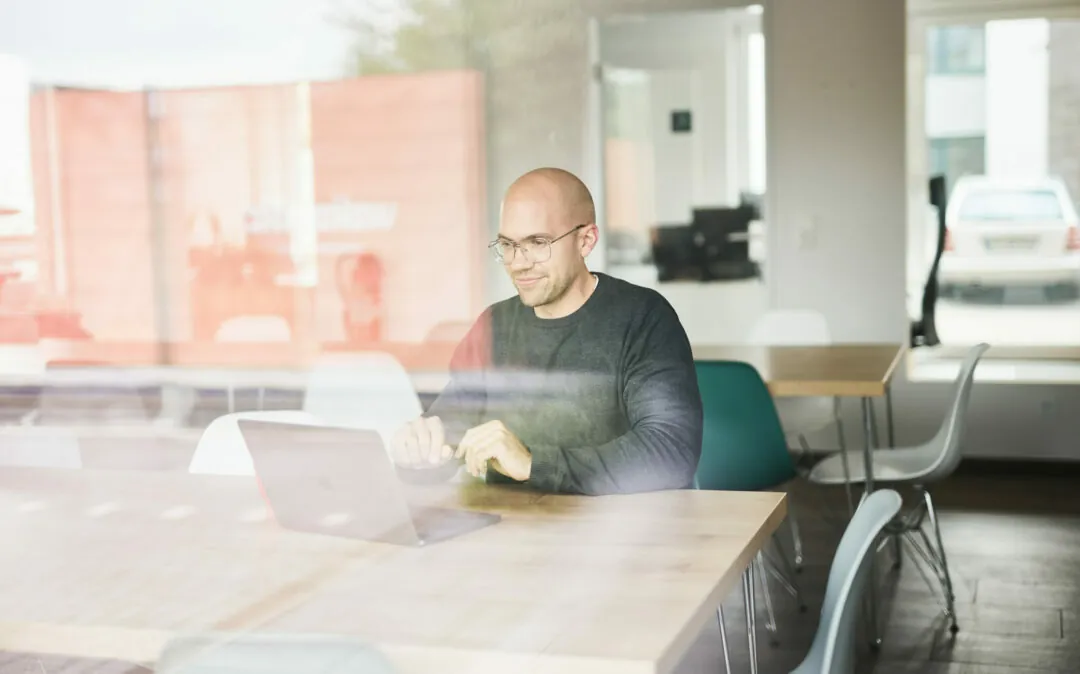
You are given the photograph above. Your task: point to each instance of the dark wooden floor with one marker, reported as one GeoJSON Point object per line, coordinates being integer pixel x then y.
{"type": "Point", "coordinates": [1013, 542]}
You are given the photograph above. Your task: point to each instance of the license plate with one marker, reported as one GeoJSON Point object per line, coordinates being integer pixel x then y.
{"type": "Point", "coordinates": [1010, 243]}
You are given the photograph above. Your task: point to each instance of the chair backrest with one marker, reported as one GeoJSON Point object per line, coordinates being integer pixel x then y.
{"type": "Point", "coordinates": [791, 327]}
{"type": "Point", "coordinates": [833, 648]}
{"type": "Point", "coordinates": [951, 434]}
{"type": "Point", "coordinates": [362, 390]}
{"type": "Point", "coordinates": [254, 329]}
{"type": "Point", "coordinates": [269, 654]}
{"type": "Point", "coordinates": [222, 450]}
{"type": "Point", "coordinates": [743, 444]}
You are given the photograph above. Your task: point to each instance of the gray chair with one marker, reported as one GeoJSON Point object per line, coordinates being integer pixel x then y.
{"type": "Point", "coordinates": [225, 653]}
{"type": "Point", "coordinates": [833, 648]}
{"type": "Point", "coordinates": [918, 466]}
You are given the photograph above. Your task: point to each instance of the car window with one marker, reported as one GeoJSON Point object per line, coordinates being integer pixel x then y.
{"type": "Point", "coordinates": [1009, 205]}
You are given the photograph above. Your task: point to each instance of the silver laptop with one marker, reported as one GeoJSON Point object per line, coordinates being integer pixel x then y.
{"type": "Point", "coordinates": [341, 482]}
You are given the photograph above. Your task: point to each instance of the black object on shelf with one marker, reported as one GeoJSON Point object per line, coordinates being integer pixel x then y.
{"type": "Point", "coordinates": [714, 246]}
{"type": "Point", "coordinates": [924, 330]}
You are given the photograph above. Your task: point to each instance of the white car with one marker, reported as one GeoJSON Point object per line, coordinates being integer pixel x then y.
{"type": "Point", "coordinates": [1010, 233]}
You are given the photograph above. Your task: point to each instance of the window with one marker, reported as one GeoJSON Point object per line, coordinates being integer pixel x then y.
{"type": "Point", "coordinates": [956, 50]}
{"type": "Point", "coordinates": [1007, 205]}
{"type": "Point", "coordinates": [957, 157]}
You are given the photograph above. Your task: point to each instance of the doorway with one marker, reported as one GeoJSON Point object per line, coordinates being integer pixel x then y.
{"type": "Point", "coordinates": [681, 138]}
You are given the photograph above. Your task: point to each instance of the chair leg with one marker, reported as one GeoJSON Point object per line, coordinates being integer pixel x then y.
{"type": "Point", "coordinates": [796, 539]}
{"type": "Point", "coordinates": [842, 442]}
{"type": "Point", "coordinates": [950, 598]}
{"type": "Point", "coordinates": [898, 552]}
{"type": "Point", "coordinates": [770, 613]}
{"type": "Point", "coordinates": [723, 638]}
{"type": "Point", "coordinates": [751, 615]}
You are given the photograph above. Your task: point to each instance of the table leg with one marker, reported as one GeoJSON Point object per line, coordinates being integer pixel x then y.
{"type": "Point", "coordinates": [868, 445]}
{"type": "Point", "coordinates": [869, 428]}
{"type": "Point", "coordinates": [751, 615]}
{"type": "Point", "coordinates": [889, 416]}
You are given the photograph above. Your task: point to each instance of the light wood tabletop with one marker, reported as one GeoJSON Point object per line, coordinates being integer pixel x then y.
{"type": "Point", "coordinates": [114, 564]}
{"type": "Point", "coordinates": [842, 370]}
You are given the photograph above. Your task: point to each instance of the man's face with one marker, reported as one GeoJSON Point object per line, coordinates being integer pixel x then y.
{"type": "Point", "coordinates": [531, 224]}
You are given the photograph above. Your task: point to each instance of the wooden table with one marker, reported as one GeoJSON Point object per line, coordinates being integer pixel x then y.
{"type": "Point", "coordinates": [862, 371]}
{"type": "Point", "coordinates": [114, 564]}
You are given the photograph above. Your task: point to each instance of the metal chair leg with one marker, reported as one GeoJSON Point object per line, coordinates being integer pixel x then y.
{"type": "Point", "coordinates": [723, 638]}
{"type": "Point", "coordinates": [950, 598]}
{"type": "Point", "coordinates": [751, 615]}
{"type": "Point", "coordinates": [770, 613]}
{"type": "Point", "coordinates": [841, 440]}
{"type": "Point", "coordinates": [796, 539]}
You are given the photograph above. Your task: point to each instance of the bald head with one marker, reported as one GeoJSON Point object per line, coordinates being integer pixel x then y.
{"type": "Point", "coordinates": [561, 190]}
{"type": "Point", "coordinates": [549, 217]}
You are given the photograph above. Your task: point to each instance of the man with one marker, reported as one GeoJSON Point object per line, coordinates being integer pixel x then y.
{"type": "Point", "coordinates": [584, 383]}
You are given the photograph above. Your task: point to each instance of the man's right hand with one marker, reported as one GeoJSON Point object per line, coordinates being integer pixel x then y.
{"type": "Point", "coordinates": [421, 443]}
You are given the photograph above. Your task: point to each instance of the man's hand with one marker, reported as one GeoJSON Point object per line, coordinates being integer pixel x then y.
{"type": "Point", "coordinates": [493, 442]}
{"type": "Point", "coordinates": [420, 444]}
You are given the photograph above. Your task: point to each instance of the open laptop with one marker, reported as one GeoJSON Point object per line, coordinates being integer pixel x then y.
{"type": "Point", "coordinates": [341, 482]}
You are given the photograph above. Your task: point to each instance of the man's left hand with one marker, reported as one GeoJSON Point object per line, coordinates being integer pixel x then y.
{"type": "Point", "coordinates": [495, 443]}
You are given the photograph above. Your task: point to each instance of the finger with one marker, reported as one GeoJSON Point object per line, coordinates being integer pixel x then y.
{"type": "Point", "coordinates": [437, 438]}
{"type": "Point", "coordinates": [410, 447]}
{"type": "Point", "coordinates": [482, 434]}
{"type": "Point", "coordinates": [423, 439]}
{"type": "Point", "coordinates": [478, 459]}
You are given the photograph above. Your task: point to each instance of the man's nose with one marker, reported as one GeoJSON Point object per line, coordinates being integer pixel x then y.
{"type": "Point", "coordinates": [519, 262]}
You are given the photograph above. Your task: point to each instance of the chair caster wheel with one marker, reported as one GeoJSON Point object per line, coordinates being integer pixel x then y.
{"type": "Point", "coordinates": [803, 608]}
{"type": "Point", "coordinates": [954, 628]}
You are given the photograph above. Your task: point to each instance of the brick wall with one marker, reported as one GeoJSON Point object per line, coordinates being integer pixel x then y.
{"type": "Point", "coordinates": [415, 141]}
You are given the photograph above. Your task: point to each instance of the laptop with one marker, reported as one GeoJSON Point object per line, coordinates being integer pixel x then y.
{"type": "Point", "coordinates": [341, 482]}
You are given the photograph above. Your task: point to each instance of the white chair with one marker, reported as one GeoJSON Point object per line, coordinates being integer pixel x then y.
{"type": "Point", "coordinates": [222, 450]}
{"type": "Point", "coordinates": [362, 390]}
{"type": "Point", "coordinates": [799, 327]}
{"type": "Point", "coordinates": [918, 466]}
{"type": "Point", "coordinates": [254, 329]}
{"type": "Point", "coordinates": [833, 648]}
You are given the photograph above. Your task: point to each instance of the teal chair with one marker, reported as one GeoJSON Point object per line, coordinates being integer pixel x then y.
{"type": "Point", "coordinates": [744, 448]}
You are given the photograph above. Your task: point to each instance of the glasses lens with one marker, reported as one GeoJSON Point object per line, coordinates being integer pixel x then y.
{"type": "Point", "coordinates": [536, 251]}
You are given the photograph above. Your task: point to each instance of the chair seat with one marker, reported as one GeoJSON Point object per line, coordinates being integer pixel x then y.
{"type": "Point", "coordinates": [805, 415]}
{"type": "Point", "coordinates": [906, 464]}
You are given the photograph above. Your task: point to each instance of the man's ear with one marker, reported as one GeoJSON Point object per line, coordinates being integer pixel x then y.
{"type": "Point", "coordinates": [590, 237]}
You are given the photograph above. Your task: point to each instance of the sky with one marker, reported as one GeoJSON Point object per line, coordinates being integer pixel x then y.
{"type": "Point", "coordinates": [177, 43]}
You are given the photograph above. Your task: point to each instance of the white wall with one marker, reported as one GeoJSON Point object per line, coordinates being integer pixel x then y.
{"type": "Point", "coordinates": [837, 182]}
{"type": "Point", "coordinates": [685, 57]}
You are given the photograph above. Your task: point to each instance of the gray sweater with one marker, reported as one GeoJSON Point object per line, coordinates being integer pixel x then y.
{"type": "Point", "coordinates": [606, 399]}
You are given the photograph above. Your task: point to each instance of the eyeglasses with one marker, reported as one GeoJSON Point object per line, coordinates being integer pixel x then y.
{"type": "Point", "coordinates": [534, 248]}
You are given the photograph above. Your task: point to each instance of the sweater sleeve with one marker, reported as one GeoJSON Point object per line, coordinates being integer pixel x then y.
{"type": "Point", "coordinates": [663, 406]}
{"type": "Point", "coordinates": [461, 403]}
